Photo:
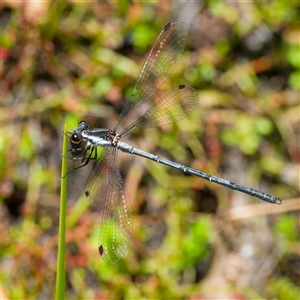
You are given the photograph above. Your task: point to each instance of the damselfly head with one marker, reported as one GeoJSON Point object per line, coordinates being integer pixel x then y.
{"type": "Point", "coordinates": [76, 136]}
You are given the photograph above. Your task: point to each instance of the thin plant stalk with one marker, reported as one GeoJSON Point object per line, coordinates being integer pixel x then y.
{"type": "Point", "coordinates": [61, 257]}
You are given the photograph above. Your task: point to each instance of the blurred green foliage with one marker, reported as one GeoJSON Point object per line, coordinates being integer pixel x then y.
{"type": "Point", "coordinates": [283, 289]}
{"type": "Point", "coordinates": [68, 61]}
{"type": "Point", "coordinates": [286, 227]}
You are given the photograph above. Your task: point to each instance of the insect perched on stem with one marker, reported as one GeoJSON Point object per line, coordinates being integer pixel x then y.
{"type": "Point", "coordinates": [105, 187]}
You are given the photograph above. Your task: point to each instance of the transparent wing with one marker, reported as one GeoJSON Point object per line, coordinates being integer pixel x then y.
{"type": "Point", "coordinates": [98, 180]}
{"type": "Point", "coordinates": [173, 107]}
{"type": "Point", "coordinates": [116, 226]}
{"type": "Point", "coordinates": [106, 190]}
{"type": "Point", "coordinates": [158, 66]}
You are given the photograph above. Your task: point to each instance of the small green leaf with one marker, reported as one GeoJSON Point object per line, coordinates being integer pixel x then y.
{"type": "Point", "coordinates": [102, 86]}
{"type": "Point", "coordinates": [294, 80]}
{"type": "Point", "coordinates": [264, 126]}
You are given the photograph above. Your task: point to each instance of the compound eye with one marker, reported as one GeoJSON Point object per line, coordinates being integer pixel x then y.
{"type": "Point", "coordinates": [75, 139]}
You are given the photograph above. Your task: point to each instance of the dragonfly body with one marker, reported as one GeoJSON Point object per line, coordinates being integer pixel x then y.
{"type": "Point", "coordinates": [105, 187]}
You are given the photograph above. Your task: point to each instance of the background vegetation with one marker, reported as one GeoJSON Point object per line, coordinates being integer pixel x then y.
{"type": "Point", "coordinates": [68, 61]}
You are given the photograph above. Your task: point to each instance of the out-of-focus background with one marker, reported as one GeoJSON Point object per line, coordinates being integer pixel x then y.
{"type": "Point", "coordinates": [63, 62]}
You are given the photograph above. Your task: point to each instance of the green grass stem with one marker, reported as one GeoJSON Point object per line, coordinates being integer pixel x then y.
{"type": "Point", "coordinates": [61, 257]}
